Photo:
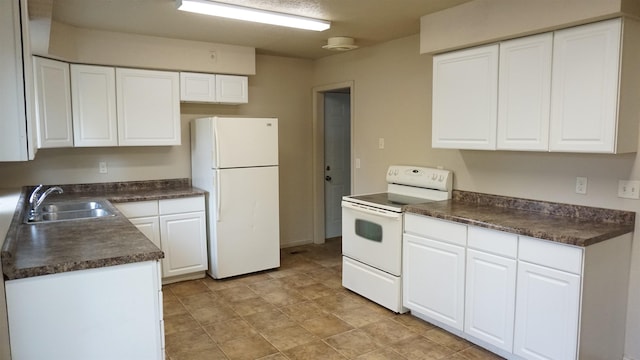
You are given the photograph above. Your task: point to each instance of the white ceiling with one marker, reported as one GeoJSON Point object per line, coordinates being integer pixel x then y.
{"type": "Point", "coordinates": [368, 21]}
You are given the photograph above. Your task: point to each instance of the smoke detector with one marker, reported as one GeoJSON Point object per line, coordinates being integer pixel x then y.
{"type": "Point", "coordinates": [340, 43]}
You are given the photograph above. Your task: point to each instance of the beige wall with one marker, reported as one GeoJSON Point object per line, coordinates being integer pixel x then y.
{"type": "Point", "coordinates": [482, 21]}
{"type": "Point", "coordinates": [119, 49]}
{"type": "Point", "coordinates": [393, 100]}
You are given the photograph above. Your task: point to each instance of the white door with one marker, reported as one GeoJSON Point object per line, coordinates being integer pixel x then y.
{"type": "Point", "coordinates": [184, 243]}
{"type": "Point", "coordinates": [93, 94]}
{"type": "Point", "coordinates": [53, 103]}
{"type": "Point", "coordinates": [490, 298]}
{"type": "Point", "coordinates": [244, 142]}
{"type": "Point", "coordinates": [245, 231]}
{"type": "Point", "coordinates": [547, 313]}
{"type": "Point", "coordinates": [433, 284]}
{"type": "Point", "coordinates": [465, 98]}
{"type": "Point", "coordinates": [524, 93]}
{"type": "Point", "coordinates": [148, 105]}
{"type": "Point", "coordinates": [337, 153]}
{"type": "Point", "coordinates": [584, 90]}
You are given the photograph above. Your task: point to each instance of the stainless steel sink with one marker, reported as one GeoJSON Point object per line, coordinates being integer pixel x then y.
{"type": "Point", "coordinates": [69, 210]}
{"type": "Point", "coordinates": [71, 206]}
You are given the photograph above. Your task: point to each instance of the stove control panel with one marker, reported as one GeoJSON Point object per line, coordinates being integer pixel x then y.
{"type": "Point", "coordinates": [423, 177]}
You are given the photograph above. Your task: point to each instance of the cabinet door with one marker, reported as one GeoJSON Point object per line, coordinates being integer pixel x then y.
{"type": "Point", "coordinates": [150, 227]}
{"type": "Point", "coordinates": [465, 99]}
{"type": "Point", "coordinates": [433, 284]}
{"type": "Point", "coordinates": [87, 314]}
{"type": "Point", "coordinates": [148, 105]}
{"type": "Point", "coordinates": [93, 94]}
{"type": "Point", "coordinates": [524, 93]}
{"type": "Point", "coordinates": [17, 132]}
{"type": "Point", "coordinates": [231, 89]}
{"type": "Point", "coordinates": [184, 242]}
{"type": "Point", "coordinates": [197, 87]}
{"type": "Point", "coordinates": [547, 313]}
{"type": "Point", "coordinates": [490, 298]}
{"type": "Point", "coordinates": [53, 103]}
{"type": "Point", "coordinates": [584, 93]}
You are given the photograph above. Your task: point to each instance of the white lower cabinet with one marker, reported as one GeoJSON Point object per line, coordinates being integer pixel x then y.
{"type": "Point", "coordinates": [433, 271]}
{"type": "Point", "coordinates": [114, 312]}
{"type": "Point", "coordinates": [182, 242]}
{"type": "Point", "coordinates": [150, 227]}
{"type": "Point", "coordinates": [548, 309]}
{"type": "Point", "coordinates": [178, 228]}
{"type": "Point", "coordinates": [520, 297]}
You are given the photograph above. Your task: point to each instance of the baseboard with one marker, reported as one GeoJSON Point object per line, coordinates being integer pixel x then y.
{"type": "Point", "coordinates": [296, 243]}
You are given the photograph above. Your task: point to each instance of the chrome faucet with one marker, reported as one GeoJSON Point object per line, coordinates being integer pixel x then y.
{"type": "Point", "coordinates": [35, 200]}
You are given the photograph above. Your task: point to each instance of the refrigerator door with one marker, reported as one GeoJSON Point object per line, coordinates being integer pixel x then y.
{"type": "Point", "coordinates": [244, 142]}
{"type": "Point", "coordinates": [245, 230]}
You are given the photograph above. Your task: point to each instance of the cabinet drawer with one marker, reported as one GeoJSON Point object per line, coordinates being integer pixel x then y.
{"type": "Point", "coordinates": [550, 254]}
{"type": "Point", "coordinates": [182, 205]}
{"type": "Point", "coordinates": [493, 241]}
{"type": "Point", "coordinates": [138, 208]}
{"type": "Point", "coordinates": [436, 229]}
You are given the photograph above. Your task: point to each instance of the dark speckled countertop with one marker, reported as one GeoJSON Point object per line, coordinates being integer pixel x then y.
{"type": "Point", "coordinates": [50, 248]}
{"type": "Point", "coordinates": [564, 223]}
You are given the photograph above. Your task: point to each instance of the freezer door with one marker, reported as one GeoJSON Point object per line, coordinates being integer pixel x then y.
{"type": "Point", "coordinates": [245, 142]}
{"type": "Point", "coordinates": [246, 238]}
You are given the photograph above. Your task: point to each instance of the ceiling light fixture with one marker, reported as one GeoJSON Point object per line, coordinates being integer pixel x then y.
{"type": "Point", "coordinates": [250, 14]}
{"type": "Point", "coordinates": [340, 43]}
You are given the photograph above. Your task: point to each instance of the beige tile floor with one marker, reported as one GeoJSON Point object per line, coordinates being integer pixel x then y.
{"type": "Point", "coordinates": [299, 311]}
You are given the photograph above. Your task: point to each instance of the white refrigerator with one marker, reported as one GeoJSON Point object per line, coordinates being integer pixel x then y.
{"type": "Point", "coordinates": [236, 161]}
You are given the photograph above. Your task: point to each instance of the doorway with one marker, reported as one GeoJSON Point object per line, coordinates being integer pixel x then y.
{"type": "Point", "coordinates": [333, 174]}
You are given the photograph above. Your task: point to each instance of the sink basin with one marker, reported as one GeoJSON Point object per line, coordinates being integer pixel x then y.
{"type": "Point", "coordinates": [70, 210]}
{"type": "Point", "coordinates": [71, 206]}
{"type": "Point", "coordinates": [73, 215]}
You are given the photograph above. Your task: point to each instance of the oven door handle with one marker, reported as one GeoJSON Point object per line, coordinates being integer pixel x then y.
{"type": "Point", "coordinates": [372, 211]}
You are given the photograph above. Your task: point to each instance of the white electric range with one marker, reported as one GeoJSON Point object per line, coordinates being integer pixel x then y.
{"type": "Point", "coordinates": [372, 227]}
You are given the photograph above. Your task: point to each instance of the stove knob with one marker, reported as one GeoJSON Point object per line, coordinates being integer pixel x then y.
{"type": "Point", "coordinates": [434, 177]}
{"type": "Point", "coordinates": [441, 178]}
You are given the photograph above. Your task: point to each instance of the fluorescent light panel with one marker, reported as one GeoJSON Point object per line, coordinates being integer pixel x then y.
{"type": "Point", "coordinates": [249, 14]}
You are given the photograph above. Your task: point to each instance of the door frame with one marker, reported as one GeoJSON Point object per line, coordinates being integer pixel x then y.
{"type": "Point", "coordinates": [318, 153]}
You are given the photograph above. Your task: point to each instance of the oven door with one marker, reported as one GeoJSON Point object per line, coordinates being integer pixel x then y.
{"type": "Point", "coordinates": [372, 236]}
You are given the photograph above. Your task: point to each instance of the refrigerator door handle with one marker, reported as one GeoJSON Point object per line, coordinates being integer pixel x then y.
{"type": "Point", "coordinates": [217, 144]}
{"type": "Point", "coordinates": [218, 195]}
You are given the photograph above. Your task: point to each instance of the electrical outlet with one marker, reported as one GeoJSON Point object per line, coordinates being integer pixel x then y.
{"type": "Point", "coordinates": [103, 167]}
{"type": "Point", "coordinates": [581, 185]}
{"type": "Point", "coordinates": [357, 163]}
{"type": "Point", "coordinates": [629, 189]}
{"type": "Point", "coordinates": [381, 143]}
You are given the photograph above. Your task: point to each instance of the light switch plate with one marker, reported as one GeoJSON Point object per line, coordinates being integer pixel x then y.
{"type": "Point", "coordinates": [629, 189]}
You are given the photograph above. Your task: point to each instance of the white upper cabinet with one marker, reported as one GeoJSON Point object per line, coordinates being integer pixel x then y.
{"type": "Point", "coordinates": [196, 87]}
{"type": "Point", "coordinates": [465, 95]}
{"type": "Point", "coordinates": [17, 135]}
{"type": "Point", "coordinates": [53, 103]}
{"type": "Point", "coordinates": [93, 93]}
{"type": "Point", "coordinates": [213, 88]}
{"type": "Point", "coordinates": [585, 88]}
{"type": "Point", "coordinates": [573, 90]}
{"type": "Point", "coordinates": [148, 107]}
{"type": "Point", "coordinates": [232, 89]}
{"type": "Point", "coordinates": [524, 93]}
